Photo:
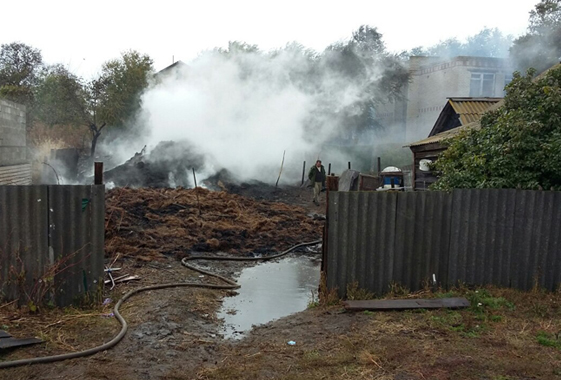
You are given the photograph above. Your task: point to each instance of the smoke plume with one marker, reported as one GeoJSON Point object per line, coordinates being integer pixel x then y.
{"type": "Point", "coordinates": [243, 110]}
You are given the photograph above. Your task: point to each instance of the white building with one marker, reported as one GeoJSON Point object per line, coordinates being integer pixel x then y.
{"type": "Point", "coordinates": [433, 81]}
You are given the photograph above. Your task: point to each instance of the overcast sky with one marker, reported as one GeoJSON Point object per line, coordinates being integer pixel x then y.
{"type": "Point", "coordinates": [83, 35]}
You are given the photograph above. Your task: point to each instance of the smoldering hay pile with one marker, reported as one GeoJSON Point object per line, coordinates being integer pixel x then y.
{"type": "Point", "coordinates": [168, 164]}
{"type": "Point", "coordinates": [172, 163]}
{"type": "Point", "coordinates": [148, 223]}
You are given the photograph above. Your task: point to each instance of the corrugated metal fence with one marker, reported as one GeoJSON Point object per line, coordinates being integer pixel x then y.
{"type": "Point", "coordinates": [51, 242]}
{"type": "Point", "coordinates": [504, 237]}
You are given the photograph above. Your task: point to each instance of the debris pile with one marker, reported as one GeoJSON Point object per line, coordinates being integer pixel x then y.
{"type": "Point", "coordinates": [169, 164]}
{"type": "Point", "coordinates": [225, 180]}
{"type": "Point", "coordinates": [146, 223]}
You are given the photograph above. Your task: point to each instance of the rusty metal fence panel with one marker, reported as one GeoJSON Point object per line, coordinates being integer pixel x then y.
{"type": "Point", "coordinates": [368, 182]}
{"type": "Point", "coordinates": [24, 248]}
{"type": "Point", "coordinates": [482, 236]}
{"type": "Point", "coordinates": [77, 230]}
{"type": "Point", "coordinates": [536, 240]}
{"type": "Point", "coordinates": [352, 225]}
{"type": "Point", "coordinates": [506, 237]}
{"type": "Point", "coordinates": [51, 242]}
{"type": "Point", "coordinates": [422, 239]}
{"type": "Point", "coordinates": [503, 237]}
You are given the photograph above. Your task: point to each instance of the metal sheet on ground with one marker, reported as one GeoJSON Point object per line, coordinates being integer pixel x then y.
{"type": "Point", "coordinates": [14, 342]}
{"type": "Point", "coordinates": [436, 303]}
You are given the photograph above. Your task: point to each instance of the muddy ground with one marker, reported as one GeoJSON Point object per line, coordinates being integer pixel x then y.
{"type": "Point", "coordinates": [174, 333]}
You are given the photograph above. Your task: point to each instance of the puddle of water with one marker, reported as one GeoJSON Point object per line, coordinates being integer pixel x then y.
{"type": "Point", "coordinates": [269, 291]}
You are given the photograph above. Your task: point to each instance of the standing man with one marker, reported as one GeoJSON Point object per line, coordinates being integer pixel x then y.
{"type": "Point", "coordinates": [317, 178]}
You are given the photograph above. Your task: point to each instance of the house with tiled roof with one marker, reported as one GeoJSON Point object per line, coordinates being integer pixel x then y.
{"type": "Point", "coordinates": [457, 115]}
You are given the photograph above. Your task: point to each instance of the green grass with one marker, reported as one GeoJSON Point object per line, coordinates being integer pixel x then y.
{"type": "Point", "coordinates": [549, 340]}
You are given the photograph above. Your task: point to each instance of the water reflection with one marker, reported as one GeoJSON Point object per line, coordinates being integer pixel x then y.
{"type": "Point", "coordinates": [269, 291]}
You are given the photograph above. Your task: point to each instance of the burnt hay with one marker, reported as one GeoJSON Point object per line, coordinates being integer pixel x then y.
{"type": "Point", "coordinates": [146, 223]}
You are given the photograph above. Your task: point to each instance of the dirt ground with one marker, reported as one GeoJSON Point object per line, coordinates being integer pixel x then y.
{"type": "Point", "coordinates": [174, 333]}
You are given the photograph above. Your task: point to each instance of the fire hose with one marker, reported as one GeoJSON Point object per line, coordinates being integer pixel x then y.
{"type": "Point", "coordinates": [124, 326]}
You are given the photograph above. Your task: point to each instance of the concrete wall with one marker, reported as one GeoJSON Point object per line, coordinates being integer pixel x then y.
{"type": "Point", "coordinates": [435, 80]}
{"type": "Point", "coordinates": [13, 149]}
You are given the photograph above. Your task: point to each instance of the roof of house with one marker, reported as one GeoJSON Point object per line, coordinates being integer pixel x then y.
{"type": "Point", "coordinates": [463, 111]}
{"type": "Point", "coordinates": [445, 135]}
{"type": "Point", "coordinates": [544, 73]}
{"type": "Point", "coordinates": [491, 106]}
{"type": "Point", "coordinates": [471, 109]}
{"type": "Point", "coordinates": [176, 65]}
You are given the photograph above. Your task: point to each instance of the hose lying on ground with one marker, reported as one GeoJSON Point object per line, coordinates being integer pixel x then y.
{"type": "Point", "coordinates": [231, 285]}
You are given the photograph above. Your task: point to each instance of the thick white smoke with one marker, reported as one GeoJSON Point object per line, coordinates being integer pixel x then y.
{"type": "Point", "coordinates": [242, 125]}
{"type": "Point", "coordinates": [243, 110]}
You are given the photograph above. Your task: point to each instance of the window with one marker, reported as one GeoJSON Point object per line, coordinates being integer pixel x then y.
{"type": "Point", "coordinates": [482, 84]}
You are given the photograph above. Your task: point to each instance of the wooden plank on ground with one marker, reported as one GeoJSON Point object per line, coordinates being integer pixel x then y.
{"type": "Point", "coordinates": [405, 304]}
{"type": "Point", "coordinates": [4, 334]}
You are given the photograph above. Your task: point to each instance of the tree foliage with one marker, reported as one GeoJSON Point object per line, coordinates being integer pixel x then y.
{"type": "Point", "coordinates": [365, 62]}
{"type": "Point", "coordinates": [346, 81]}
{"type": "Point", "coordinates": [518, 145]}
{"type": "Point", "coordinates": [540, 48]}
{"type": "Point", "coordinates": [115, 96]}
{"type": "Point", "coordinates": [19, 66]}
{"type": "Point", "coordinates": [59, 97]}
{"type": "Point", "coordinates": [374, 76]}
{"type": "Point", "coordinates": [236, 48]}
{"type": "Point", "coordinates": [487, 43]}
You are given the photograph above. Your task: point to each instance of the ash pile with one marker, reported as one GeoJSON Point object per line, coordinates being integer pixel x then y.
{"type": "Point", "coordinates": [169, 164]}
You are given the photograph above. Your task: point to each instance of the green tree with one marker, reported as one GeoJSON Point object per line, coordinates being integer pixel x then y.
{"type": "Point", "coordinates": [344, 83]}
{"type": "Point", "coordinates": [364, 66]}
{"type": "Point", "coordinates": [236, 48]}
{"type": "Point", "coordinates": [487, 43]}
{"type": "Point", "coordinates": [115, 96]}
{"type": "Point", "coordinates": [517, 146]}
{"type": "Point", "coordinates": [243, 54]}
{"type": "Point", "coordinates": [19, 66]}
{"type": "Point", "coordinates": [540, 48]}
{"type": "Point", "coordinates": [60, 97]}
